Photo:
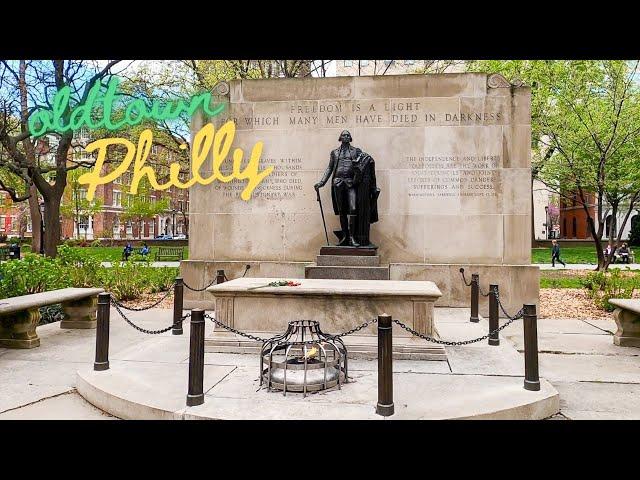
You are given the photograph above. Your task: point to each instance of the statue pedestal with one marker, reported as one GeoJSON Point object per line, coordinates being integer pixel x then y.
{"type": "Point", "coordinates": [347, 263]}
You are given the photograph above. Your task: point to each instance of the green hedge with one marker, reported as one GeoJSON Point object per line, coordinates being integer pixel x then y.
{"type": "Point", "coordinates": [75, 268]}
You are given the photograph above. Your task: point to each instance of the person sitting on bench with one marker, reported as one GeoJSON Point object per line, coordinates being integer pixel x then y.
{"type": "Point", "coordinates": [623, 253]}
{"type": "Point", "coordinates": [145, 250]}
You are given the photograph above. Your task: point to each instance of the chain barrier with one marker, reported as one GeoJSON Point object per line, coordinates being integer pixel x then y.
{"type": "Point", "coordinates": [354, 330]}
{"type": "Point", "coordinates": [199, 289]}
{"type": "Point", "coordinates": [519, 315]}
{"type": "Point", "coordinates": [482, 292]}
{"type": "Point", "coordinates": [259, 339]}
{"type": "Point", "coordinates": [143, 330]}
{"type": "Point", "coordinates": [238, 332]}
{"type": "Point", "coordinates": [141, 309]}
{"type": "Point", "coordinates": [515, 317]}
{"type": "Point", "coordinates": [464, 279]}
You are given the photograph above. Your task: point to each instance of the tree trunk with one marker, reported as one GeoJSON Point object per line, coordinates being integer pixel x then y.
{"type": "Point", "coordinates": [34, 213]}
{"type": "Point", "coordinates": [52, 227]}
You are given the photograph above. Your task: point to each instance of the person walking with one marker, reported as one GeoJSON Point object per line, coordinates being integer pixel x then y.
{"type": "Point", "coordinates": [555, 254]}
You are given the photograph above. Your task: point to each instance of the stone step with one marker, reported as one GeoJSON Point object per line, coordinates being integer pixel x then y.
{"type": "Point", "coordinates": [347, 260]}
{"type": "Point", "coordinates": [346, 273]}
{"type": "Point", "coordinates": [359, 251]}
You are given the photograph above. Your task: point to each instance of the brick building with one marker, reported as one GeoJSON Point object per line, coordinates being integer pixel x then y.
{"type": "Point", "coordinates": [114, 197]}
{"type": "Point", "coordinates": [573, 218]}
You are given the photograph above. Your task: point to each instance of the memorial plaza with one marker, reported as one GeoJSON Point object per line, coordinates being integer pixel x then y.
{"type": "Point", "coordinates": [359, 248]}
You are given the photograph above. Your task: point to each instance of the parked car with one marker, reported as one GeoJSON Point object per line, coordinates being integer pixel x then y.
{"type": "Point", "coordinates": [164, 237]}
{"type": "Point", "coordinates": [180, 236]}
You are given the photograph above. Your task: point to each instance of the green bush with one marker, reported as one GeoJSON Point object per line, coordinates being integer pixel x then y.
{"type": "Point", "coordinates": [604, 286]}
{"type": "Point", "coordinates": [96, 243]}
{"type": "Point", "coordinates": [33, 274]}
{"type": "Point", "coordinates": [129, 280]}
{"type": "Point", "coordinates": [81, 269]}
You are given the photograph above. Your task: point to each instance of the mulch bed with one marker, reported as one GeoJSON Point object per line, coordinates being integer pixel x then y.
{"type": "Point", "coordinates": [569, 303]}
{"type": "Point", "coordinates": [151, 298]}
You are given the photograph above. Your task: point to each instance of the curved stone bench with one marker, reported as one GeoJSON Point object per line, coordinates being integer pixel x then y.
{"type": "Point", "coordinates": [627, 317]}
{"type": "Point", "coordinates": [19, 316]}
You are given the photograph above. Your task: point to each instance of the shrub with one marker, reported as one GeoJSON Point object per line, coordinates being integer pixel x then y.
{"type": "Point", "coordinates": [33, 274]}
{"type": "Point", "coordinates": [81, 268]}
{"type": "Point", "coordinates": [604, 286]}
{"type": "Point", "coordinates": [96, 243]}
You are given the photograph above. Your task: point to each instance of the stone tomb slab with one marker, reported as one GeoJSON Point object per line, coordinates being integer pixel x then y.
{"type": "Point", "coordinates": [248, 305]}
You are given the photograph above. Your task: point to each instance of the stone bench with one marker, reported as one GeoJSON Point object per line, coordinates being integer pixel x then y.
{"type": "Point", "coordinates": [19, 316]}
{"type": "Point", "coordinates": [627, 317]}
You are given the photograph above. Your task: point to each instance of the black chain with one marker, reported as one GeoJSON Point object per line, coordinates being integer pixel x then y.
{"type": "Point", "coordinates": [464, 278]}
{"type": "Point", "coordinates": [141, 309]}
{"type": "Point", "coordinates": [463, 342]}
{"type": "Point", "coordinates": [259, 339]}
{"type": "Point", "coordinates": [354, 330]}
{"type": "Point", "coordinates": [238, 332]}
{"type": "Point", "coordinates": [483, 293]}
{"type": "Point", "coordinates": [520, 312]}
{"type": "Point", "coordinates": [199, 289]}
{"type": "Point", "coordinates": [143, 330]}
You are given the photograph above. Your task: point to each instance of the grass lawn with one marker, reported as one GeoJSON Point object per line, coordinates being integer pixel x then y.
{"type": "Point", "coordinates": [114, 254]}
{"type": "Point", "coordinates": [586, 254]}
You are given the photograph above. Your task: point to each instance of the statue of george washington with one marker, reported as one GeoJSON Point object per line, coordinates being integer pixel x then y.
{"type": "Point", "coordinates": [354, 192]}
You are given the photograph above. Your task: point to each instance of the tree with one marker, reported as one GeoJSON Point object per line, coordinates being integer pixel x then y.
{"type": "Point", "coordinates": [75, 205]}
{"type": "Point", "coordinates": [586, 133]}
{"type": "Point", "coordinates": [141, 206]}
{"type": "Point", "coordinates": [25, 86]}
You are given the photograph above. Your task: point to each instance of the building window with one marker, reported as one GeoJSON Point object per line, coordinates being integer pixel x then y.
{"type": "Point", "coordinates": [364, 63]}
{"type": "Point", "coordinates": [574, 227]}
{"type": "Point", "coordinates": [152, 228]}
{"type": "Point", "coordinates": [348, 63]}
{"type": "Point", "coordinates": [388, 62]}
{"type": "Point", "coordinates": [83, 223]}
{"type": "Point", "coordinates": [2, 220]}
{"type": "Point", "coordinates": [409, 62]}
{"type": "Point", "coordinates": [117, 198]}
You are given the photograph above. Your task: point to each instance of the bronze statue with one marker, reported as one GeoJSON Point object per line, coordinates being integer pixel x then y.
{"type": "Point", "coordinates": [354, 193]}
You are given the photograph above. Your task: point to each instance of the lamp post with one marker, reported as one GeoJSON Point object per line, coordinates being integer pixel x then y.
{"type": "Point", "coordinates": [174, 230]}
{"type": "Point", "coordinates": [41, 228]}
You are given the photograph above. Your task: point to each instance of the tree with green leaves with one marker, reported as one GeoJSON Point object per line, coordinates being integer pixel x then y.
{"type": "Point", "coordinates": [75, 204]}
{"type": "Point", "coordinates": [585, 117]}
{"type": "Point", "coordinates": [25, 87]}
{"type": "Point", "coordinates": [141, 206]}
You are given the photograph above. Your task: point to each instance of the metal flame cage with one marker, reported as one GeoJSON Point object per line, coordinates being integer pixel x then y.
{"type": "Point", "coordinates": [303, 359]}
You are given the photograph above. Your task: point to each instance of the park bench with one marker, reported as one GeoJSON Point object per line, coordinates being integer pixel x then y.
{"type": "Point", "coordinates": [19, 316]}
{"type": "Point", "coordinates": [627, 317]}
{"type": "Point", "coordinates": [169, 252]}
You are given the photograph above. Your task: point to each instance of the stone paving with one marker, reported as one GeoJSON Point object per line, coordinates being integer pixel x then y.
{"type": "Point", "coordinates": [595, 379]}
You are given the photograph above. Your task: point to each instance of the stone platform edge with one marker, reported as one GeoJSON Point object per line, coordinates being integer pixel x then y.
{"type": "Point", "coordinates": [106, 392]}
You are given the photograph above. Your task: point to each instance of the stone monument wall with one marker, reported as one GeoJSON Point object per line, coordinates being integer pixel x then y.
{"type": "Point", "coordinates": [452, 155]}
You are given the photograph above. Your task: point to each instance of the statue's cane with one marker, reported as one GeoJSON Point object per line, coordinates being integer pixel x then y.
{"type": "Point", "coordinates": [322, 213]}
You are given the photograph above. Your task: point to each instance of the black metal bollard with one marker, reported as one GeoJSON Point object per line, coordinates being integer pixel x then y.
{"type": "Point", "coordinates": [220, 276]}
{"type": "Point", "coordinates": [178, 298]}
{"type": "Point", "coordinates": [531, 373]}
{"type": "Point", "coordinates": [195, 395]}
{"type": "Point", "coordinates": [102, 333]}
{"type": "Point", "coordinates": [494, 339]}
{"type": "Point", "coordinates": [475, 293]}
{"type": "Point", "coordinates": [385, 366]}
